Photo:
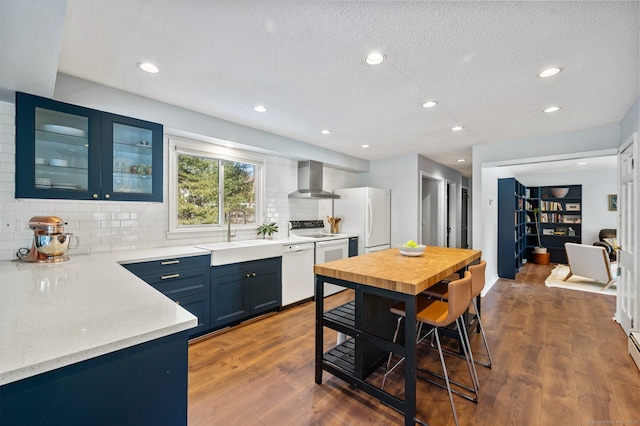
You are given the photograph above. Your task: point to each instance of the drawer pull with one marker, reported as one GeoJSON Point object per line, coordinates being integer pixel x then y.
{"type": "Point", "coordinates": [167, 277]}
{"type": "Point", "coordinates": [170, 262]}
{"type": "Point", "coordinates": [177, 302]}
{"type": "Point", "coordinates": [254, 274]}
{"type": "Point", "coordinates": [248, 275]}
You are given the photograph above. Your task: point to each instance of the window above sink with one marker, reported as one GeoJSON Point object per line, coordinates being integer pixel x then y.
{"type": "Point", "coordinates": [208, 180]}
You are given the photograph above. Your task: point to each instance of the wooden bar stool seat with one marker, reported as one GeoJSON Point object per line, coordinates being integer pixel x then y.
{"type": "Point", "coordinates": [438, 314]}
{"type": "Point", "coordinates": [440, 292]}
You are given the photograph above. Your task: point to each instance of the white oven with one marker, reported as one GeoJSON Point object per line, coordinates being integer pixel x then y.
{"type": "Point", "coordinates": [328, 251]}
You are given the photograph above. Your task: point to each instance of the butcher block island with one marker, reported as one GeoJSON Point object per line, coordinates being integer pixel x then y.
{"type": "Point", "coordinates": [379, 280]}
{"type": "Point", "coordinates": [87, 342]}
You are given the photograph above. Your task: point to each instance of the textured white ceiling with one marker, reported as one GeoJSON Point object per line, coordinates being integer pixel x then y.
{"type": "Point", "coordinates": [304, 61]}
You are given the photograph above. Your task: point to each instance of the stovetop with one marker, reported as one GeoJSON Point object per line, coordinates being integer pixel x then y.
{"type": "Point", "coordinates": [312, 229]}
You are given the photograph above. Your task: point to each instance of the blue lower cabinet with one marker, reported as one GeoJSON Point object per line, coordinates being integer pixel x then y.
{"type": "Point", "coordinates": [353, 246]}
{"type": "Point", "coordinates": [145, 384]}
{"type": "Point", "coordinates": [184, 280]}
{"type": "Point", "coordinates": [200, 306]}
{"type": "Point", "coordinates": [240, 291]}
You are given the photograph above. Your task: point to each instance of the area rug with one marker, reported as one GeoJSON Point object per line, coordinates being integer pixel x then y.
{"type": "Point", "coordinates": [575, 282]}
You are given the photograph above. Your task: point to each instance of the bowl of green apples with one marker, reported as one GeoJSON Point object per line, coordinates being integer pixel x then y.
{"type": "Point", "coordinates": [411, 248]}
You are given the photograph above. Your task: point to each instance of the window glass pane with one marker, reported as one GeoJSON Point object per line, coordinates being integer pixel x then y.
{"type": "Point", "coordinates": [198, 195]}
{"type": "Point", "coordinates": [240, 188]}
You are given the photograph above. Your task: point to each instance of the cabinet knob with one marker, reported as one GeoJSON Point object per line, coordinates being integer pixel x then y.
{"type": "Point", "coordinates": [248, 275]}
{"type": "Point", "coordinates": [254, 274]}
{"type": "Point", "coordinates": [177, 302]}
{"type": "Point", "coordinates": [95, 195]}
{"type": "Point", "coordinates": [107, 196]}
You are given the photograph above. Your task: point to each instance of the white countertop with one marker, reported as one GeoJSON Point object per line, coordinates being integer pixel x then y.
{"type": "Point", "coordinates": [53, 315]}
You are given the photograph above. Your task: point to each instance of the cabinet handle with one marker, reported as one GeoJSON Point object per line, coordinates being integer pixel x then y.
{"type": "Point", "coordinates": [177, 302]}
{"type": "Point", "coordinates": [107, 196]}
{"type": "Point", "coordinates": [170, 262]}
{"type": "Point", "coordinates": [254, 274]}
{"type": "Point", "coordinates": [248, 275]}
{"type": "Point", "coordinates": [95, 195]}
{"type": "Point", "coordinates": [167, 277]}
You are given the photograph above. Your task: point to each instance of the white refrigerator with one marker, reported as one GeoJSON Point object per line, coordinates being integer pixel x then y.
{"type": "Point", "coordinates": [365, 211]}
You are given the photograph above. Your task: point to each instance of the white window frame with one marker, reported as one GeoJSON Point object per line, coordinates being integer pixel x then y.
{"type": "Point", "coordinates": [211, 149]}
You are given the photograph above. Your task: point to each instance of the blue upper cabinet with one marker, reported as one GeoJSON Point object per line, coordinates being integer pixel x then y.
{"type": "Point", "coordinates": [64, 151]}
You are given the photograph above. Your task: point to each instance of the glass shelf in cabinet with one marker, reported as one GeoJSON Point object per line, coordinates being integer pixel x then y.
{"type": "Point", "coordinates": [61, 169]}
{"type": "Point", "coordinates": [128, 175]}
{"type": "Point", "coordinates": [132, 148]}
{"type": "Point", "coordinates": [46, 136]}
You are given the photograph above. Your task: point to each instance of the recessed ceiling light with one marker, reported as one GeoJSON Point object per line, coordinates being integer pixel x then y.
{"type": "Point", "coordinates": [461, 160]}
{"type": "Point", "coordinates": [456, 128]}
{"type": "Point", "coordinates": [550, 72]}
{"type": "Point", "coordinates": [365, 146]}
{"type": "Point", "coordinates": [429, 104]}
{"type": "Point", "coordinates": [552, 109]}
{"type": "Point", "coordinates": [260, 108]}
{"type": "Point", "coordinates": [582, 163]}
{"type": "Point", "coordinates": [325, 132]}
{"type": "Point", "coordinates": [148, 67]}
{"type": "Point", "coordinates": [374, 58]}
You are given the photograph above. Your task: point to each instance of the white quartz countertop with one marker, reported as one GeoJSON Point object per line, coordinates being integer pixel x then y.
{"type": "Point", "coordinates": [53, 315]}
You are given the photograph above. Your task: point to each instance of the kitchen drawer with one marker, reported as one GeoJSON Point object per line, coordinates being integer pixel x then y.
{"type": "Point", "coordinates": [242, 267]}
{"type": "Point", "coordinates": [171, 265]}
{"type": "Point", "coordinates": [200, 306]}
{"type": "Point", "coordinates": [181, 283]}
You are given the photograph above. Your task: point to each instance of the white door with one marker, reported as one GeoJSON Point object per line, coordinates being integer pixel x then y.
{"type": "Point", "coordinates": [628, 286]}
{"type": "Point", "coordinates": [378, 217]}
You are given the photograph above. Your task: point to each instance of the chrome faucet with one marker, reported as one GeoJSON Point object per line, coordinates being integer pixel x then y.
{"type": "Point", "coordinates": [229, 213]}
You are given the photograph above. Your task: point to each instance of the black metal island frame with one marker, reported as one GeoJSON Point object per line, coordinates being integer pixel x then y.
{"type": "Point", "coordinates": [379, 280]}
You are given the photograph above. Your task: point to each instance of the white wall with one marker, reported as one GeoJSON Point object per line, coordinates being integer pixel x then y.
{"type": "Point", "coordinates": [402, 175]}
{"type": "Point", "coordinates": [561, 146]}
{"type": "Point", "coordinates": [186, 123]}
{"type": "Point", "coordinates": [454, 179]}
{"type": "Point", "coordinates": [630, 123]}
{"type": "Point", "coordinates": [107, 225]}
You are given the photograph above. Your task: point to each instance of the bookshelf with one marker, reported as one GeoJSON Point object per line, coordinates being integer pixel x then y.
{"type": "Point", "coordinates": [512, 240]}
{"type": "Point", "coordinates": [560, 210]}
{"type": "Point", "coordinates": [560, 218]}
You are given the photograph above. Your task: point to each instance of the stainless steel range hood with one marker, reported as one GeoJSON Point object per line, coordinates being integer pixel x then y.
{"type": "Point", "coordinates": [310, 181]}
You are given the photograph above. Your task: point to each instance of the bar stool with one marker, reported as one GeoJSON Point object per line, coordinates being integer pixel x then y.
{"type": "Point", "coordinates": [438, 314]}
{"type": "Point", "coordinates": [441, 314]}
{"type": "Point", "coordinates": [439, 291]}
{"type": "Point", "coordinates": [399, 309]}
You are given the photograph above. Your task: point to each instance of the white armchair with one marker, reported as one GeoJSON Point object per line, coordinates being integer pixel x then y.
{"type": "Point", "coordinates": [589, 262]}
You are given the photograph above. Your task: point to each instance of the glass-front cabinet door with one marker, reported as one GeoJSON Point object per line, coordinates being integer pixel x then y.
{"type": "Point", "coordinates": [64, 151]}
{"type": "Point", "coordinates": [134, 158]}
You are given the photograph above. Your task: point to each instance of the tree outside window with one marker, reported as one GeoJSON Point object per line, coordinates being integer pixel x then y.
{"type": "Point", "coordinates": [207, 183]}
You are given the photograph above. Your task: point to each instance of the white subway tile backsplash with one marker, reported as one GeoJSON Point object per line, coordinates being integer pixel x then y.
{"type": "Point", "coordinates": [7, 108]}
{"type": "Point", "coordinates": [104, 226]}
{"type": "Point", "coordinates": [100, 232]}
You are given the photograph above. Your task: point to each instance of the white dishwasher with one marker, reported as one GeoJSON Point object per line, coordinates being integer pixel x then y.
{"type": "Point", "coordinates": [298, 279]}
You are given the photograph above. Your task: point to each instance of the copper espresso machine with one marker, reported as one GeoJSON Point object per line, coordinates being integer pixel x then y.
{"type": "Point", "coordinates": [50, 243]}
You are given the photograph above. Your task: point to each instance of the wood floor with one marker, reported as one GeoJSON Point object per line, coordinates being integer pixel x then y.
{"type": "Point", "coordinates": [559, 359]}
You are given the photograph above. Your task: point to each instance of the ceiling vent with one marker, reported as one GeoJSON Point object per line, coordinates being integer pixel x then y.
{"type": "Point", "coordinates": [310, 181]}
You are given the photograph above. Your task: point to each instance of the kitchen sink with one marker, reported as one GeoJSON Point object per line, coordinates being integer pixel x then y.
{"type": "Point", "coordinates": [242, 251]}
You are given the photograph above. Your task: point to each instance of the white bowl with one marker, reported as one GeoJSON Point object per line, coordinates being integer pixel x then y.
{"type": "Point", "coordinates": [411, 251]}
{"type": "Point", "coordinates": [559, 192]}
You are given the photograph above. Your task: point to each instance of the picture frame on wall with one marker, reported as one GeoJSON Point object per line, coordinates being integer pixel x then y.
{"type": "Point", "coordinates": [613, 202]}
